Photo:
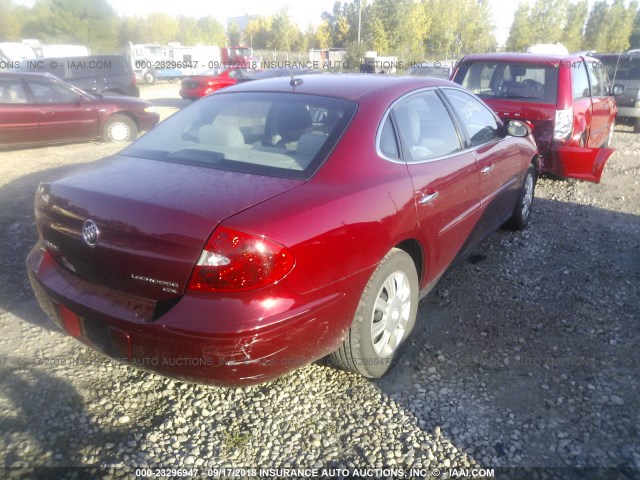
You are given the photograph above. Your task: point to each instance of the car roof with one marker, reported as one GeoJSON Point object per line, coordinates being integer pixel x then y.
{"type": "Point", "coordinates": [522, 57]}
{"type": "Point", "coordinates": [616, 55]}
{"type": "Point", "coordinates": [28, 74]}
{"type": "Point", "coordinates": [352, 86]}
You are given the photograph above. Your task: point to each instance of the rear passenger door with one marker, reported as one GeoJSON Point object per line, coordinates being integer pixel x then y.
{"type": "Point", "coordinates": [444, 175]}
{"type": "Point", "coordinates": [18, 115]}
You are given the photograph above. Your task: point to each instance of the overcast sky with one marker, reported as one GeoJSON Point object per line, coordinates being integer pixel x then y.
{"type": "Point", "coordinates": [302, 12]}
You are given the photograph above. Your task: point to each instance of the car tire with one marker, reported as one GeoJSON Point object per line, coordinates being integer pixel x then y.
{"type": "Point", "coordinates": [149, 77]}
{"type": "Point", "coordinates": [522, 211]}
{"type": "Point", "coordinates": [119, 128]}
{"type": "Point", "coordinates": [384, 319]}
{"type": "Point", "coordinates": [636, 125]}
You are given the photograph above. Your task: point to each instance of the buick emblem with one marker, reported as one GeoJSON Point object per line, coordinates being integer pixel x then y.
{"type": "Point", "coordinates": [90, 233]}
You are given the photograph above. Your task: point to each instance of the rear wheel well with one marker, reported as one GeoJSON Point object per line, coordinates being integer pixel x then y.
{"type": "Point", "coordinates": [413, 248]}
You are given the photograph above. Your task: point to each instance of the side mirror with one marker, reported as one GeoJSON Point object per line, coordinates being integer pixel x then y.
{"type": "Point", "coordinates": [618, 89]}
{"type": "Point", "coordinates": [516, 128]}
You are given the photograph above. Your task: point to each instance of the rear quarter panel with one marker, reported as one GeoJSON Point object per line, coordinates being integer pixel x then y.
{"type": "Point", "coordinates": [347, 217]}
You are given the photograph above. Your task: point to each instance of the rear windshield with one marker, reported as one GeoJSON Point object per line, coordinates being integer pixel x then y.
{"type": "Point", "coordinates": [622, 68]}
{"type": "Point", "coordinates": [436, 72]}
{"type": "Point", "coordinates": [510, 80]}
{"type": "Point", "coordinates": [275, 134]}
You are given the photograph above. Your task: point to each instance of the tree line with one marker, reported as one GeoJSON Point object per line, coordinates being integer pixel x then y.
{"type": "Point", "coordinates": [610, 26]}
{"type": "Point", "coordinates": [408, 29]}
{"type": "Point", "coordinates": [95, 23]}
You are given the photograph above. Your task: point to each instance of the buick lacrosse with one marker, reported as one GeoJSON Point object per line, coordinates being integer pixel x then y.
{"type": "Point", "coordinates": [274, 223]}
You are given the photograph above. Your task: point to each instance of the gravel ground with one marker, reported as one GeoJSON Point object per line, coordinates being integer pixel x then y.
{"type": "Point", "coordinates": [525, 356]}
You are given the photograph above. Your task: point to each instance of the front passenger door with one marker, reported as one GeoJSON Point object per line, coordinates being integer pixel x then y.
{"type": "Point", "coordinates": [499, 160]}
{"type": "Point", "coordinates": [603, 105]}
{"type": "Point", "coordinates": [64, 114]}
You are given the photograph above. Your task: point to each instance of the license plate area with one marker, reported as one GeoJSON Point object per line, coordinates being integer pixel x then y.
{"type": "Point", "coordinates": [111, 341]}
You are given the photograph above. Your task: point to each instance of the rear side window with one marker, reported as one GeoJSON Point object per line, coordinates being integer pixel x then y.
{"type": "Point", "coordinates": [276, 134]}
{"type": "Point", "coordinates": [426, 127]}
{"type": "Point", "coordinates": [12, 91]}
{"type": "Point", "coordinates": [388, 144]}
{"type": "Point", "coordinates": [509, 80]}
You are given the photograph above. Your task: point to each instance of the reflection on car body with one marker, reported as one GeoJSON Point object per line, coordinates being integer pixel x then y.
{"type": "Point", "coordinates": [38, 108]}
{"type": "Point", "coordinates": [567, 100]}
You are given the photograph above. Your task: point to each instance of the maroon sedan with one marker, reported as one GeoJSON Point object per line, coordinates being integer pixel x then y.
{"type": "Point", "coordinates": [197, 86]}
{"type": "Point", "coordinates": [276, 222]}
{"type": "Point", "coordinates": [38, 108]}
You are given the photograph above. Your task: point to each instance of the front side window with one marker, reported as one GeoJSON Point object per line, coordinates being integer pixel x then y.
{"type": "Point", "coordinates": [599, 80]}
{"type": "Point", "coordinates": [509, 80]}
{"type": "Point", "coordinates": [52, 92]}
{"type": "Point", "coordinates": [580, 81]}
{"type": "Point", "coordinates": [479, 122]}
{"type": "Point", "coordinates": [426, 127]}
{"type": "Point", "coordinates": [277, 134]}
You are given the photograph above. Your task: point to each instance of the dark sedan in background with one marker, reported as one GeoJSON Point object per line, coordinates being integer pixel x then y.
{"type": "Point", "coordinates": [277, 222]}
{"type": "Point", "coordinates": [102, 74]}
{"type": "Point", "coordinates": [38, 108]}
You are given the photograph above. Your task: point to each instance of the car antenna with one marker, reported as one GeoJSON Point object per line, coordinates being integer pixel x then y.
{"type": "Point", "coordinates": [294, 81]}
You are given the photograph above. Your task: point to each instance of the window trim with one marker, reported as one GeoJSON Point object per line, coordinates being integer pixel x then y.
{"type": "Point", "coordinates": [401, 147]}
{"type": "Point", "coordinates": [585, 68]}
{"type": "Point", "coordinates": [500, 123]}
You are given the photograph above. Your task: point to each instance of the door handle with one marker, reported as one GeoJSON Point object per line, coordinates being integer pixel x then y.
{"type": "Point", "coordinates": [48, 112]}
{"type": "Point", "coordinates": [426, 199]}
{"type": "Point", "coordinates": [487, 169]}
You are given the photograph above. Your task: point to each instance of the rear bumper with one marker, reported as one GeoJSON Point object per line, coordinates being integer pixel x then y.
{"type": "Point", "coordinates": [629, 112]}
{"type": "Point", "coordinates": [224, 341]}
{"type": "Point", "coordinates": [191, 94]}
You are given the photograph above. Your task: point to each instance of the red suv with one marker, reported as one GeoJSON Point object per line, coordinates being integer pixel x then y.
{"type": "Point", "coordinates": [567, 100]}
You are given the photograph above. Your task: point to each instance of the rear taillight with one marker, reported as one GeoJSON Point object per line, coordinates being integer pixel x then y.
{"type": "Point", "coordinates": [564, 124]}
{"type": "Point", "coordinates": [233, 261]}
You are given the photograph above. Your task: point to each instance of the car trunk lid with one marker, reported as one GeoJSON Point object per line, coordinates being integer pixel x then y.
{"type": "Point", "coordinates": [152, 220]}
